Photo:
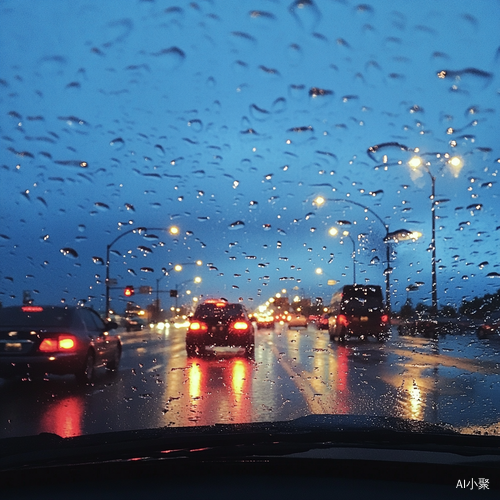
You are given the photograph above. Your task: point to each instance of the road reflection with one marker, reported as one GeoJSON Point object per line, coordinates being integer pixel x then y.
{"type": "Point", "coordinates": [64, 417]}
{"type": "Point", "coordinates": [218, 390]}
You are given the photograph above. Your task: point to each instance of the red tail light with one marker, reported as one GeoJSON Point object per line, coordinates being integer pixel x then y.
{"type": "Point", "coordinates": [32, 309]}
{"type": "Point", "coordinates": [384, 318]}
{"type": "Point", "coordinates": [342, 320]}
{"type": "Point", "coordinates": [62, 343]}
{"type": "Point", "coordinates": [240, 326]}
{"type": "Point", "coordinates": [198, 327]}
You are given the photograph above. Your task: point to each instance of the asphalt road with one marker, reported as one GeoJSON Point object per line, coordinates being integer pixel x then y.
{"type": "Point", "coordinates": [453, 379]}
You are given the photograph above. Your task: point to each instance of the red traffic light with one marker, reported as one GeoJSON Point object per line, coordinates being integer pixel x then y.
{"type": "Point", "coordinates": [129, 291]}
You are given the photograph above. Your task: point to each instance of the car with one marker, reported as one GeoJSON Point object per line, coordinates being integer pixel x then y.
{"type": "Point", "coordinates": [490, 327]}
{"type": "Point", "coordinates": [134, 323]}
{"type": "Point", "coordinates": [264, 320]}
{"type": "Point", "coordinates": [282, 317]}
{"type": "Point", "coordinates": [297, 321]}
{"type": "Point", "coordinates": [322, 322]}
{"type": "Point", "coordinates": [360, 312]}
{"type": "Point", "coordinates": [218, 323]}
{"type": "Point", "coordinates": [58, 340]}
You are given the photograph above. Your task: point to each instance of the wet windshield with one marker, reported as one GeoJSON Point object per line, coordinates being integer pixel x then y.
{"type": "Point", "coordinates": [159, 154]}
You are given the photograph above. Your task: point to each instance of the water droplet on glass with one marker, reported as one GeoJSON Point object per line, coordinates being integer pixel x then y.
{"type": "Point", "coordinates": [237, 225]}
{"type": "Point", "coordinates": [69, 252]}
{"type": "Point", "coordinates": [98, 260]}
{"type": "Point", "coordinates": [306, 14]}
{"type": "Point", "coordinates": [117, 143]}
{"type": "Point", "coordinates": [147, 270]}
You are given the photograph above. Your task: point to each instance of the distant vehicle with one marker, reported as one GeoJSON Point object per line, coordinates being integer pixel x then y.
{"type": "Point", "coordinates": [217, 323]}
{"type": "Point", "coordinates": [60, 340]}
{"type": "Point", "coordinates": [264, 320]}
{"type": "Point", "coordinates": [297, 320]}
{"type": "Point", "coordinates": [359, 311]}
{"type": "Point", "coordinates": [490, 327]}
{"type": "Point", "coordinates": [419, 324]}
{"type": "Point", "coordinates": [322, 322]}
{"type": "Point", "coordinates": [282, 317]}
{"type": "Point", "coordinates": [134, 323]}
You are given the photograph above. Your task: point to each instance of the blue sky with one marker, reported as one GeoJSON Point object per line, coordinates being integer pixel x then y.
{"type": "Point", "coordinates": [205, 114]}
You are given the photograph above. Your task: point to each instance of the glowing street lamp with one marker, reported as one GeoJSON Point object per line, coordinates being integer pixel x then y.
{"type": "Point", "coordinates": [333, 231]}
{"type": "Point", "coordinates": [320, 200]}
{"type": "Point", "coordinates": [138, 230]}
{"type": "Point", "coordinates": [455, 164]}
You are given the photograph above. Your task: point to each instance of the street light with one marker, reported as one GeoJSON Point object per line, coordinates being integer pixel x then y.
{"type": "Point", "coordinates": [177, 268]}
{"type": "Point", "coordinates": [173, 230]}
{"type": "Point", "coordinates": [333, 231]}
{"type": "Point", "coordinates": [320, 200]}
{"type": "Point", "coordinates": [455, 164]}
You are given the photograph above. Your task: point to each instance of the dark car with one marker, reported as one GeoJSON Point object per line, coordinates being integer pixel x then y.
{"type": "Point", "coordinates": [359, 312]}
{"type": "Point", "coordinates": [490, 327]}
{"type": "Point", "coordinates": [134, 323]}
{"type": "Point", "coordinates": [217, 323]}
{"type": "Point", "coordinates": [56, 339]}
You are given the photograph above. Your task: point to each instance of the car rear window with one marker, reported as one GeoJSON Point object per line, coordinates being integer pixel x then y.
{"type": "Point", "coordinates": [32, 317]}
{"type": "Point", "coordinates": [227, 311]}
{"type": "Point", "coordinates": [359, 299]}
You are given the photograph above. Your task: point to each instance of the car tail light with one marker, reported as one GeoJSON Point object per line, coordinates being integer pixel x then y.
{"type": "Point", "coordinates": [32, 309]}
{"type": "Point", "coordinates": [66, 343]}
{"type": "Point", "coordinates": [198, 327]}
{"type": "Point", "coordinates": [342, 320]}
{"type": "Point", "coordinates": [240, 326]}
{"type": "Point", "coordinates": [384, 318]}
{"type": "Point", "coordinates": [62, 343]}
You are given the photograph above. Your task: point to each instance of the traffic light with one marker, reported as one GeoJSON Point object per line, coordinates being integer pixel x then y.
{"type": "Point", "coordinates": [129, 291]}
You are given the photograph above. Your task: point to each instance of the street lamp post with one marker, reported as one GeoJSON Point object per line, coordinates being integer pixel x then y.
{"type": "Point", "coordinates": [401, 234]}
{"type": "Point", "coordinates": [173, 230]}
{"type": "Point", "coordinates": [333, 231]}
{"type": "Point", "coordinates": [456, 163]}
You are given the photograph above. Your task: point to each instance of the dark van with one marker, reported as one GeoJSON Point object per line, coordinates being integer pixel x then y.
{"type": "Point", "coordinates": [358, 310]}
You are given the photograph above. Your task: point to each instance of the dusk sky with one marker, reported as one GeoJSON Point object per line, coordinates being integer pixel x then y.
{"type": "Point", "coordinates": [227, 119]}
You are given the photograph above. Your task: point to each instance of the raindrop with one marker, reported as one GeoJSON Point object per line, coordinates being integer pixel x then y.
{"type": "Point", "coordinates": [81, 228]}
{"type": "Point", "coordinates": [159, 150]}
{"type": "Point", "coordinates": [132, 272]}
{"type": "Point", "coordinates": [147, 270]}
{"type": "Point", "coordinates": [318, 92]}
{"type": "Point", "coordinates": [388, 152]}
{"type": "Point", "coordinates": [259, 113]}
{"type": "Point", "coordinates": [375, 260]}
{"type": "Point", "coordinates": [306, 14]}
{"type": "Point", "coordinates": [69, 252]}
{"type": "Point", "coordinates": [117, 143]}
{"type": "Point", "coordinates": [130, 207]}
{"type": "Point", "coordinates": [196, 125]}
{"type": "Point", "coordinates": [493, 275]}
{"type": "Point", "coordinates": [279, 105]}
{"type": "Point", "coordinates": [144, 249]}
{"type": "Point", "coordinates": [173, 57]}
{"type": "Point", "coordinates": [98, 260]}
{"type": "Point", "coordinates": [101, 206]}
{"type": "Point", "coordinates": [266, 227]}
{"type": "Point", "coordinates": [237, 225]}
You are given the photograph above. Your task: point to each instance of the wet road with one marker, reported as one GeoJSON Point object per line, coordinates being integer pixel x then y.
{"type": "Point", "coordinates": [453, 379]}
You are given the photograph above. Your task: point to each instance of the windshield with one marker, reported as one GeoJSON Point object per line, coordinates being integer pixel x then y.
{"type": "Point", "coordinates": [157, 154]}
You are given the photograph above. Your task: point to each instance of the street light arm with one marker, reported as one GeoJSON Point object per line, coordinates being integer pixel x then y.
{"type": "Point", "coordinates": [339, 200]}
